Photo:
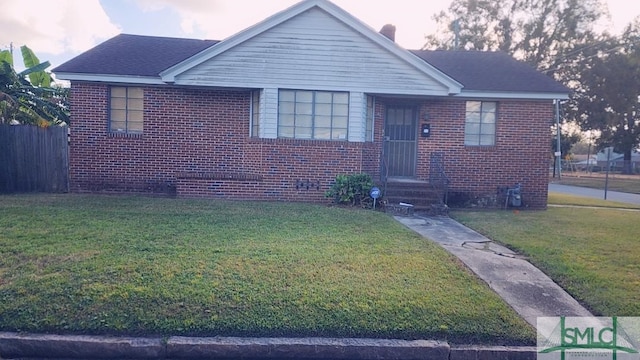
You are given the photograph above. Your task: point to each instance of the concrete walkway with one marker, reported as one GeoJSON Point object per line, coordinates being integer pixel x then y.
{"type": "Point", "coordinates": [595, 193]}
{"type": "Point", "coordinates": [528, 290]}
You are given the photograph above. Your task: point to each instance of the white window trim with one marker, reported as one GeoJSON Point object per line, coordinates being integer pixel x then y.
{"type": "Point", "coordinates": [495, 123]}
{"type": "Point", "coordinates": [314, 103]}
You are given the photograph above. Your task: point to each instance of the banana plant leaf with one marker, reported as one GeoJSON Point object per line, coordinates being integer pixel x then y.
{"type": "Point", "coordinates": [5, 56]}
{"type": "Point", "coordinates": [22, 101]}
{"type": "Point", "coordinates": [35, 70]}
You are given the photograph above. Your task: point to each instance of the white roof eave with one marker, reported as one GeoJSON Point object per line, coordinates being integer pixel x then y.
{"type": "Point", "coordinates": [514, 95]}
{"type": "Point", "coordinates": [124, 79]}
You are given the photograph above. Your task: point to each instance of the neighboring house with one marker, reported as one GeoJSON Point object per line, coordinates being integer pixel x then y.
{"type": "Point", "coordinates": [616, 160]}
{"type": "Point", "coordinates": [276, 111]}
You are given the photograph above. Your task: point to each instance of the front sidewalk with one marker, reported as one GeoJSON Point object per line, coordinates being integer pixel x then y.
{"type": "Point", "coordinates": [524, 287]}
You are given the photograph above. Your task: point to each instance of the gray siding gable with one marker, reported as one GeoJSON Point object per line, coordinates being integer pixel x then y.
{"type": "Point", "coordinates": [313, 50]}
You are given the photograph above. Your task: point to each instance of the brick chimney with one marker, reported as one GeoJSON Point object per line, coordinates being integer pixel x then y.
{"type": "Point", "coordinates": [389, 31]}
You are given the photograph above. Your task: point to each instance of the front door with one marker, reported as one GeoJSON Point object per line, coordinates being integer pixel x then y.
{"type": "Point", "coordinates": [400, 146]}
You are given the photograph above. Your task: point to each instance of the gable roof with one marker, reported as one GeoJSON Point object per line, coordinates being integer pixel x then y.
{"type": "Point", "coordinates": [158, 60]}
{"type": "Point", "coordinates": [490, 71]}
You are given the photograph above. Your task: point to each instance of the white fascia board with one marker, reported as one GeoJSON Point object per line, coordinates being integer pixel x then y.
{"type": "Point", "coordinates": [124, 79]}
{"type": "Point", "coordinates": [170, 74]}
{"type": "Point", "coordinates": [513, 95]}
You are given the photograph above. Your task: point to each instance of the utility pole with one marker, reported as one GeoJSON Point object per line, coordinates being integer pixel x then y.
{"type": "Point", "coordinates": [558, 149]}
{"type": "Point", "coordinates": [606, 179]}
{"type": "Point", "coordinates": [589, 154]}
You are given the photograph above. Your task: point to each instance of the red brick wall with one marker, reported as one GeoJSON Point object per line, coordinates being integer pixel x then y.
{"type": "Point", "coordinates": [372, 151]}
{"type": "Point", "coordinates": [198, 141]}
{"type": "Point", "coordinates": [520, 155]}
{"type": "Point", "coordinates": [190, 132]}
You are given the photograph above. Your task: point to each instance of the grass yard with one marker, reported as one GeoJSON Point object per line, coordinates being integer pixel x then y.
{"type": "Point", "coordinates": [592, 253]}
{"type": "Point", "coordinates": [156, 266]}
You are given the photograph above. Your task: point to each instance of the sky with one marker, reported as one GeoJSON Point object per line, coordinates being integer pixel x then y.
{"type": "Point", "coordinates": [62, 29]}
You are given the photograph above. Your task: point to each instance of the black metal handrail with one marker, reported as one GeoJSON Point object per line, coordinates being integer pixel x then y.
{"type": "Point", "coordinates": [384, 171]}
{"type": "Point", "coordinates": [438, 178]}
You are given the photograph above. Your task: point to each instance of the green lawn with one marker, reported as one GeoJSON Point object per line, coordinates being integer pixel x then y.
{"type": "Point", "coordinates": [157, 266]}
{"type": "Point", "coordinates": [593, 253]}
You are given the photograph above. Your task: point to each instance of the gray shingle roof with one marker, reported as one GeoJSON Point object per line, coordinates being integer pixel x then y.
{"type": "Point", "coordinates": [490, 71]}
{"type": "Point", "coordinates": [147, 56]}
{"type": "Point", "coordinates": [134, 55]}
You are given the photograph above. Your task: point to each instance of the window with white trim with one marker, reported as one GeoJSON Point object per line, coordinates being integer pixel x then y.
{"type": "Point", "coordinates": [371, 104]}
{"type": "Point", "coordinates": [255, 113]}
{"type": "Point", "coordinates": [126, 110]}
{"type": "Point", "coordinates": [480, 123]}
{"type": "Point", "coordinates": [318, 115]}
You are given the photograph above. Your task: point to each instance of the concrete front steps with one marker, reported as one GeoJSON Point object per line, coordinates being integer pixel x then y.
{"type": "Point", "coordinates": [421, 194]}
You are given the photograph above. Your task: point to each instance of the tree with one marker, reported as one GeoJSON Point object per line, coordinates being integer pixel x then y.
{"type": "Point", "coordinates": [608, 96]}
{"type": "Point", "coordinates": [582, 147]}
{"type": "Point", "coordinates": [544, 33]}
{"type": "Point", "coordinates": [32, 101]}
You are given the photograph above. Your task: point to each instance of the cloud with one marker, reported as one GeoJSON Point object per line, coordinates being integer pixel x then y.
{"type": "Point", "coordinates": [218, 19]}
{"type": "Point", "coordinates": [55, 27]}
{"type": "Point", "coordinates": [187, 6]}
{"type": "Point", "coordinates": [192, 13]}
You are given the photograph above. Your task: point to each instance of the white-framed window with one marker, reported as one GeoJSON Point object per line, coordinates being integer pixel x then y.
{"type": "Point", "coordinates": [126, 110]}
{"type": "Point", "coordinates": [480, 123]}
{"type": "Point", "coordinates": [371, 106]}
{"type": "Point", "coordinates": [255, 113]}
{"type": "Point", "coordinates": [318, 115]}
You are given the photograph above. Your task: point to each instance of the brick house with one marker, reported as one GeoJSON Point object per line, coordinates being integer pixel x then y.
{"type": "Point", "coordinates": [276, 111]}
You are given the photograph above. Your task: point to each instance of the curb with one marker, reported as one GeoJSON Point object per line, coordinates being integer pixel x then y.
{"type": "Point", "coordinates": [42, 346]}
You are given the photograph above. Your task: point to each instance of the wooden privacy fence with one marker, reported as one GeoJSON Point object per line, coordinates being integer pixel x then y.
{"type": "Point", "coordinates": [33, 159]}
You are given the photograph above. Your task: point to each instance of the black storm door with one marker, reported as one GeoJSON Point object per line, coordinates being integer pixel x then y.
{"type": "Point", "coordinates": [400, 147]}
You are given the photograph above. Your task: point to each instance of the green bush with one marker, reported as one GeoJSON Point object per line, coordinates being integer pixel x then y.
{"type": "Point", "coordinates": [351, 189]}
